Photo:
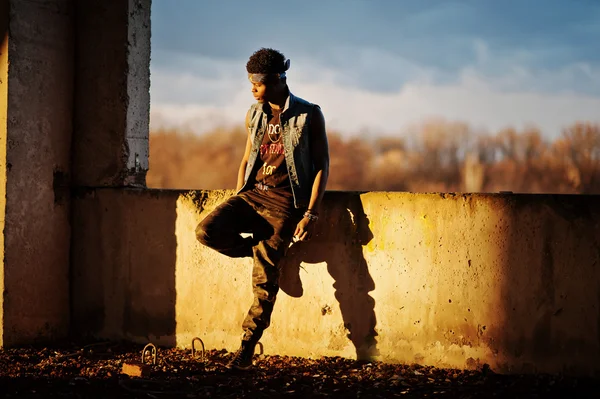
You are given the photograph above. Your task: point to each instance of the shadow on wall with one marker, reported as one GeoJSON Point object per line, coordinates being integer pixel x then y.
{"type": "Point", "coordinates": [551, 285]}
{"type": "Point", "coordinates": [342, 232]}
{"type": "Point", "coordinates": [123, 265]}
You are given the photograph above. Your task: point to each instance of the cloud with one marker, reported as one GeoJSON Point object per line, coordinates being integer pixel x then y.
{"type": "Point", "coordinates": [384, 93]}
{"type": "Point", "coordinates": [432, 32]}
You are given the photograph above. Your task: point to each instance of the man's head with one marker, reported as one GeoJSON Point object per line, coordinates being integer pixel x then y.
{"type": "Point", "coordinates": [266, 71]}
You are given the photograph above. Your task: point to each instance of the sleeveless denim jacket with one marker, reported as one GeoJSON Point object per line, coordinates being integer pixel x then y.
{"type": "Point", "coordinates": [295, 126]}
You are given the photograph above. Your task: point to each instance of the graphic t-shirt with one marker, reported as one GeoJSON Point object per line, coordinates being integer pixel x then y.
{"type": "Point", "coordinates": [272, 172]}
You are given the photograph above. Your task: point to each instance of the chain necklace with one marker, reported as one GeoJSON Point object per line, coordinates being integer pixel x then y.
{"type": "Point", "coordinates": [277, 134]}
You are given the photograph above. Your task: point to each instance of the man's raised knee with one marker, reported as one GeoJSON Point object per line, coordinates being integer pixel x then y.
{"type": "Point", "coordinates": [201, 234]}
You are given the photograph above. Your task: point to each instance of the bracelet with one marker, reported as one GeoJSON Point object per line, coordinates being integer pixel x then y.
{"type": "Point", "coordinates": [311, 216]}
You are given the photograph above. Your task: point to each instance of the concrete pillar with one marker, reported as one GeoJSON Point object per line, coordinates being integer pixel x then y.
{"type": "Point", "coordinates": [110, 145]}
{"type": "Point", "coordinates": [36, 97]}
{"type": "Point", "coordinates": [74, 112]}
{"type": "Point", "coordinates": [112, 93]}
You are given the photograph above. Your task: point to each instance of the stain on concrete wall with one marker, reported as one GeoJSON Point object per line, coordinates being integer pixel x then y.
{"type": "Point", "coordinates": [444, 280]}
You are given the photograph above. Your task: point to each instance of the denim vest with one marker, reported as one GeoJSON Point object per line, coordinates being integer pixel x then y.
{"type": "Point", "coordinates": [295, 126]}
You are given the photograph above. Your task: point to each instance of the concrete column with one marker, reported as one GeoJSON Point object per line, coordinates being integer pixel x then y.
{"type": "Point", "coordinates": [36, 97]}
{"type": "Point", "coordinates": [112, 93]}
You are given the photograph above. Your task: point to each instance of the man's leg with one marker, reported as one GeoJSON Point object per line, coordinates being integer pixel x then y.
{"type": "Point", "coordinates": [265, 283]}
{"type": "Point", "coordinates": [221, 229]}
{"type": "Point", "coordinates": [265, 273]}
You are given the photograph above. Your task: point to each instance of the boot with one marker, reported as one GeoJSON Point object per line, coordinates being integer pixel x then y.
{"type": "Point", "coordinates": [242, 360]}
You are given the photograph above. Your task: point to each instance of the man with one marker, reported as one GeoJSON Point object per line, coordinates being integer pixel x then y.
{"type": "Point", "coordinates": [280, 185]}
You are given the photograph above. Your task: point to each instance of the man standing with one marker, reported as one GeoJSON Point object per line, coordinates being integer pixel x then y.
{"type": "Point", "coordinates": [280, 185]}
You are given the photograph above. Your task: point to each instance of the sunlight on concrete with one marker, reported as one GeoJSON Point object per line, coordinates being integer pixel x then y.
{"type": "Point", "coordinates": [441, 279]}
{"type": "Point", "coordinates": [429, 283]}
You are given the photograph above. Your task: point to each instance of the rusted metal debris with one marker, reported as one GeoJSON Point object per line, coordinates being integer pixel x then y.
{"type": "Point", "coordinates": [141, 369]}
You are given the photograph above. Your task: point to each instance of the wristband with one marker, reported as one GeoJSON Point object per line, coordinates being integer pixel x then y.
{"type": "Point", "coordinates": [311, 216]}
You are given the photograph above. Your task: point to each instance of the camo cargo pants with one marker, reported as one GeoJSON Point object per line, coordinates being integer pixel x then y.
{"type": "Point", "coordinates": [272, 231]}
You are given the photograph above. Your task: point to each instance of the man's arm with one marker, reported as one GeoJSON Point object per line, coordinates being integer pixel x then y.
{"type": "Point", "coordinates": [244, 163]}
{"type": "Point", "coordinates": [319, 149]}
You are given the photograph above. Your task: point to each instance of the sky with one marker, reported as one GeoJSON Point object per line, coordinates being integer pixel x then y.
{"type": "Point", "coordinates": [379, 67]}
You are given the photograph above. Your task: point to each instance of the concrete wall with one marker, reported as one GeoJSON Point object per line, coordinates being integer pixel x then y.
{"type": "Point", "coordinates": [444, 280]}
{"type": "Point", "coordinates": [123, 264]}
{"type": "Point", "coordinates": [37, 158]}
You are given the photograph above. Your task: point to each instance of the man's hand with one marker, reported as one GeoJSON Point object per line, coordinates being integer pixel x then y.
{"type": "Point", "coordinates": [304, 229]}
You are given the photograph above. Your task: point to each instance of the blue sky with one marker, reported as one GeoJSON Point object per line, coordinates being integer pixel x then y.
{"type": "Point", "coordinates": [383, 65]}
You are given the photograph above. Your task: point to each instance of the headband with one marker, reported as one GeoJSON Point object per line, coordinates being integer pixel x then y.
{"type": "Point", "coordinates": [263, 77]}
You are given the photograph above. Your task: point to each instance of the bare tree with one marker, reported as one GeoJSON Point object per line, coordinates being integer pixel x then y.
{"type": "Point", "coordinates": [435, 156]}
{"type": "Point", "coordinates": [580, 149]}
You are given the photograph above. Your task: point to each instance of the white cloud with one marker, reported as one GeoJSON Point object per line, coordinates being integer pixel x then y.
{"type": "Point", "coordinates": [183, 96]}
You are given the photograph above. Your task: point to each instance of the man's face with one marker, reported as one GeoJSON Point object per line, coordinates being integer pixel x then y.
{"type": "Point", "coordinates": [266, 91]}
{"type": "Point", "coordinates": [260, 91]}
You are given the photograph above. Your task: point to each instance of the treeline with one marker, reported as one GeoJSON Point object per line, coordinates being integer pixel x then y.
{"type": "Point", "coordinates": [436, 156]}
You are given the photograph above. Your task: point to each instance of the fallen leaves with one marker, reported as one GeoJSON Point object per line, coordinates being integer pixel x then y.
{"type": "Point", "coordinates": [94, 371]}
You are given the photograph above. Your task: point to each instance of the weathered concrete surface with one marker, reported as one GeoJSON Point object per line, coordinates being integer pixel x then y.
{"type": "Point", "coordinates": [507, 280]}
{"type": "Point", "coordinates": [3, 135]}
{"type": "Point", "coordinates": [112, 93]}
{"type": "Point", "coordinates": [37, 136]}
{"type": "Point", "coordinates": [49, 65]}
{"type": "Point", "coordinates": [123, 264]}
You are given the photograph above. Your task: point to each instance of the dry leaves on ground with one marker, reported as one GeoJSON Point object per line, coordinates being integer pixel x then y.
{"type": "Point", "coordinates": [94, 371]}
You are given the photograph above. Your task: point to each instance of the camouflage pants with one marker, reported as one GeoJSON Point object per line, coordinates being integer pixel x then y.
{"type": "Point", "coordinates": [272, 232]}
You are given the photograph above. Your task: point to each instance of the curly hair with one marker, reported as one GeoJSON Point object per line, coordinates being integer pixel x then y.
{"type": "Point", "coordinates": [266, 60]}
